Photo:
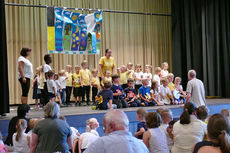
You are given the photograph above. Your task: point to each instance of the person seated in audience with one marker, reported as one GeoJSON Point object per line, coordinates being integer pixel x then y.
{"type": "Point", "coordinates": [95, 83]}
{"type": "Point", "coordinates": [130, 71]}
{"type": "Point", "coordinates": [105, 97]}
{"type": "Point", "coordinates": [179, 89]}
{"type": "Point", "coordinates": [170, 131]}
{"type": "Point", "coordinates": [141, 126]}
{"type": "Point", "coordinates": [90, 135]}
{"type": "Point", "coordinates": [22, 113]}
{"type": "Point", "coordinates": [159, 110]}
{"type": "Point", "coordinates": [188, 130]}
{"type": "Point", "coordinates": [155, 93]}
{"type": "Point", "coordinates": [166, 116]}
{"type": "Point", "coordinates": [117, 137]}
{"type": "Point", "coordinates": [154, 138]}
{"type": "Point", "coordinates": [123, 73]}
{"type": "Point", "coordinates": [138, 75]}
{"type": "Point", "coordinates": [157, 74]}
{"type": "Point", "coordinates": [202, 113]}
{"type": "Point", "coordinates": [21, 140]}
{"type": "Point", "coordinates": [118, 93]}
{"type": "Point", "coordinates": [131, 95]}
{"type": "Point", "coordinates": [32, 124]}
{"type": "Point", "coordinates": [145, 96]}
{"type": "Point", "coordinates": [3, 148]}
{"type": "Point", "coordinates": [106, 78]}
{"type": "Point", "coordinates": [225, 112]}
{"type": "Point", "coordinates": [218, 136]}
{"type": "Point", "coordinates": [164, 71]}
{"type": "Point", "coordinates": [148, 75]}
{"type": "Point", "coordinates": [165, 93]}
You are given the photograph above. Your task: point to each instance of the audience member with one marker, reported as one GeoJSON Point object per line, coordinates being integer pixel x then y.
{"type": "Point", "coordinates": [141, 126]}
{"type": "Point", "coordinates": [202, 113]}
{"type": "Point", "coordinates": [3, 148]}
{"type": "Point", "coordinates": [225, 112]}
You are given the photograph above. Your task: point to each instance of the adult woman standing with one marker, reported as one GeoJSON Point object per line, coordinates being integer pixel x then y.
{"type": "Point", "coordinates": [106, 63]}
{"type": "Point", "coordinates": [25, 73]}
{"type": "Point", "coordinates": [218, 136]}
{"type": "Point", "coordinates": [51, 134]}
{"type": "Point", "coordinates": [188, 130]}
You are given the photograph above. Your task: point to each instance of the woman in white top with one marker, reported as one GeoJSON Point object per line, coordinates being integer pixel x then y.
{"type": "Point", "coordinates": [25, 73]}
{"type": "Point", "coordinates": [21, 141]}
{"type": "Point", "coordinates": [90, 135]}
{"type": "Point", "coordinates": [188, 130]}
{"type": "Point", "coordinates": [154, 138]}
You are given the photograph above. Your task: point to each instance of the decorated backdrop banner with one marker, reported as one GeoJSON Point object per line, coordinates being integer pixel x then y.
{"type": "Point", "coordinates": [73, 33]}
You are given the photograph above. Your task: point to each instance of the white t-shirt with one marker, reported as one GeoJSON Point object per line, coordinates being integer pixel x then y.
{"type": "Point", "coordinates": [164, 73]}
{"type": "Point", "coordinates": [157, 141]}
{"type": "Point", "coordinates": [57, 84]}
{"type": "Point", "coordinates": [21, 146]}
{"type": "Point", "coordinates": [196, 88]}
{"type": "Point", "coordinates": [88, 138]}
{"type": "Point", "coordinates": [187, 135]}
{"type": "Point", "coordinates": [50, 85]}
{"type": "Point", "coordinates": [27, 68]}
{"type": "Point", "coordinates": [157, 78]}
{"type": "Point", "coordinates": [62, 80]}
{"type": "Point", "coordinates": [46, 69]}
{"type": "Point", "coordinates": [75, 133]}
{"type": "Point", "coordinates": [148, 76]}
{"type": "Point", "coordinates": [138, 75]}
{"type": "Point", "coordinates": [165, 90]}
{"type": "Point", "coordinates": [163, 128]}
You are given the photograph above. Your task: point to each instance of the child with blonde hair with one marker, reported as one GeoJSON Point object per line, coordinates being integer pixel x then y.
{"type": "Point", "coordinates": [95, 83]}
{"type": "Point", "coordinates": [148, 75]}
{"type": "Point", "coordinates": [164, 71]}
{"type": "Point", "coordinates": [178, 92]}
{"type": "Point", "coordinates": [51, 85]}
{"type": "Point", "coordinates": [21, 140]}
{"type": "Point", "coordinates": [123, 73]}
{"type": "Point", "coordinates": [85, 77]}
{"type": "Point", "coordinates": [130, 70]}
{"type": "Point", "coordinates": [138, 75]}
{"type": "Point", "coordinates": [41, 83]}
{"type": "Point", "coordinates": [69, 83]}
{"type": "Point", "coordinates": [62, 80]}
{"type": "Point", "coordinates": [36, 91]}
{"type": "Point", "coordinates": [90, 135]}
{"type": "Point", "coordinates": [157, 74]}
{"type": "Point", "coordinates": [59, 89]}
{"type": "Point", "coordinates": [170, 78]}
{"type": "Point", "coordinates": [106, 78]}
{"type": "Point", "coordinates": [77, 89]}
{"type": "Point", "coordinates": [165, 93]}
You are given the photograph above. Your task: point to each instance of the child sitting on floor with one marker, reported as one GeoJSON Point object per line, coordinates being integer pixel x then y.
{"type": "Point", "coordinates": [130, 94]}
{"type": "Point", "coordinates": [165, 93]}
{"type": "Point", "coordinates": [141, 126]}
{"type": "Point", "coordinates": [118, 93]}
{"type": "Point", "coordinates": [106, 78]}
{"type": "Point", "coordinates": [164, 71]}
{"type": "Point", "coordinates": [138, 75]}
{"type": "Point", "coordinates": [202, 113]}
{"type": "Point", "coordinates": [105, 97]}
{"type": "Point", "coordinates": [155, 93]}
{"type": "Point", "coordinates": [144, 93]}
{"type": "Point", "coordinates": [171, 85]}
{"type": "Point", "coordinates": [180, 97]}
{"type": "Point", "coordinates": [157, 74]}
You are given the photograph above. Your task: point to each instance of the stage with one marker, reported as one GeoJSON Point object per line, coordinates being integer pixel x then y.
{"type": "Point", "coordinates": [76, 116]}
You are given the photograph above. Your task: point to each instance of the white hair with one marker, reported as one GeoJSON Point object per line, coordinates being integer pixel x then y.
{"type": "Point", "coordinates": [118, 117]}
{"type": "Point", "coordinates": [192, 73]}
{"type": "Point", "coordinates": [51, 110]}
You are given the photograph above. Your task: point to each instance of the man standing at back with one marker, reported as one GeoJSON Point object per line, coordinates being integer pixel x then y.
{"type": "Point", "coordinates": [117, 138]}
{"type": "Point", "coordinates": [195, 90]}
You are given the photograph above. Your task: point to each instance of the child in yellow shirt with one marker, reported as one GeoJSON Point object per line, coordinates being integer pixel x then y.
{"type": "Point", "coordinates": [123, 73]}
{"type": "Point", "coordinates": [85, 77]}
{"type": "Point", "coordinates": [77, 85]}
{"type": "Point", "coordinates": [170, 78]}
{"type": "Point", "coordinates": [130, 70]}
{"type": "Point", "coordinates": [107, 78]}
{"type": "Point", "coordinates": [69, 84]}
{"type": "Point", "coordinates": [95, 83]}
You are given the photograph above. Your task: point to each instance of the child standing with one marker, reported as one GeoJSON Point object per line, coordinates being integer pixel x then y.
{"type": "Point", "coordinates": [123, 73]}
{"type": "Point", "coordinates": [164, 71]}
{"type": "Point", "coordinates": [95, 83]}
{"type": "Point", "coordinates": [155, 94]}
{"type": "Point", "coordinates": [138, 75]}
{"type": "Point", "coordinates": [51, 85]}
{"type": "Point", "coordinates": [107, 77]}
{"type": "Point", "coordinates": [69, 83]}
{"type": "Point", "coordinates": [46, 68]}
{"type": "Point", "coordinates": [144, 92]}
{"type": "Point", "coordinates": [118, 93]}
{"type": "Point", "coordinates": [141, 127]}
{"type": "Point", "coordinates": [36, 95]}
{"type": "Point", "coordinates": [165, 93]}
{"type": "Point", "coordinates": [40, 81]}
{"type": "Point", "coordinates": [130, 70]}
{"type": "Point", "coordinates": [21, 141]}
{"type": "Point", "coordinates": [77, 90]}
{"type": "Point", "coordinates": [62, 80]}
{"type": "Point", "coordinates": [157, 74]}
{"type": "Point", "coordinates": [148, 75]}
{"type": "Point", "coordinates": [105, 97]}
{"type": "Point", "coordinates": [59, 89]}
{"type": "Point", "coordinates": [85, 77]}
{"type": "Point", "coordinates": [130, 94]}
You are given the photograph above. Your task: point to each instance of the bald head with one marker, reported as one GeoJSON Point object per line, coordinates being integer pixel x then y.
{"type": "Point", "coordinates": [191, 74]}
{"type": "Point", "coordinates": [115, 120]}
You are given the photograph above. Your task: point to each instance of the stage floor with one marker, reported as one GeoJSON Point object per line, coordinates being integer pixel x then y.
{"type": "Point", "coordinates": [86, 110]}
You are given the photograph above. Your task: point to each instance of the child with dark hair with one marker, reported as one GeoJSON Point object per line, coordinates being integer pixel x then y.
{"type": "Point", "coordinates": [154, 138]}
{"type": "Point", "coordinates": [202, 113]}
{"type": "Point", "coordinates": [131, 95]}
{"type": "Point", "coordinates": [141, 126]}
{"type": "Point", "coordinates": [51, 86]}
{"type": "Point", "coordinates": [46, 68]}
{"type": "Point", "coordinates": [118, 93]}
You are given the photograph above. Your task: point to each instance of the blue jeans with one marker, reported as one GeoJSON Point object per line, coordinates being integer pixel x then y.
{"type": "Point", "coordinates": [63, 96]}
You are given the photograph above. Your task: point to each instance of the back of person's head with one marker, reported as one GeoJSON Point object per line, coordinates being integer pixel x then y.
{"type": "Point", "coordinates": [90, 124]}
{"type": "Point", "coordinates": [166, 115]}
{"type": "Point", "coordinates": [20, 127]}
{"type": "Point", "coordinates": [51, 110]}
{"type": "Point", "coordinates": [202, 113]}
{"type": "Point", "coordinates": [47, 59]}
{"type": "Point", "coordinates": [107, 84]}
{"type": "Point", "coordinates": [219, 131]}
{"type": "Point", "coordinates": [154, 84]}
{"type": "Point", "coordinates": [141, 112]}
{"type": "Point", "coordinates": [153, 120]}
{"type": "Point", "coordinates": [115, 76]}
{"type": "Point", "coordinates": [157, 70]}
{"type": "Point", "coordinates": [159, 110]}
{"type": "Point", "coordinates": [24, 51]}
{"type": "Point", "coordinates": [189, 109]}
{"type": "Point", "coordinates": [225, 112]}
{"type": "Point", "coordinates": [61, 117]}
{"type": "Point", "coordinates": [172, 122]}
{"type": "Point", "coordinates": [22, 110]}
{"type": "Point", "coordinates": [50, 73]}
{"type": "Point", "coordinates": [192, 73]}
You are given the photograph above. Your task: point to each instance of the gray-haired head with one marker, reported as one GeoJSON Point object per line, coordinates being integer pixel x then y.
{"type": "Point", "coordinates": [51, 110]}
{"type": "Point", "coordinates": [191, 74]}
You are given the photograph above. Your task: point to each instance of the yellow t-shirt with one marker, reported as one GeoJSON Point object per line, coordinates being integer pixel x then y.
{"type": "Point", "coordinates": [123, 77]}
{"type": "Point", "coordinates": [76, 78]}
{"type": "Point", "coordinates": [69, 80]}
{"type": "Point", "coordinates": [95, 80]}
{"type": "Point", "coordinates": [130, 75]}
{"type": "Point", "coordinates": [107, 64]}
{"type": "Point", "coordinates": [106, 79]}
{"type": "Point", "coordinates": [171, 86]}
{"type": "Point", "coordinates": [85, 77]}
